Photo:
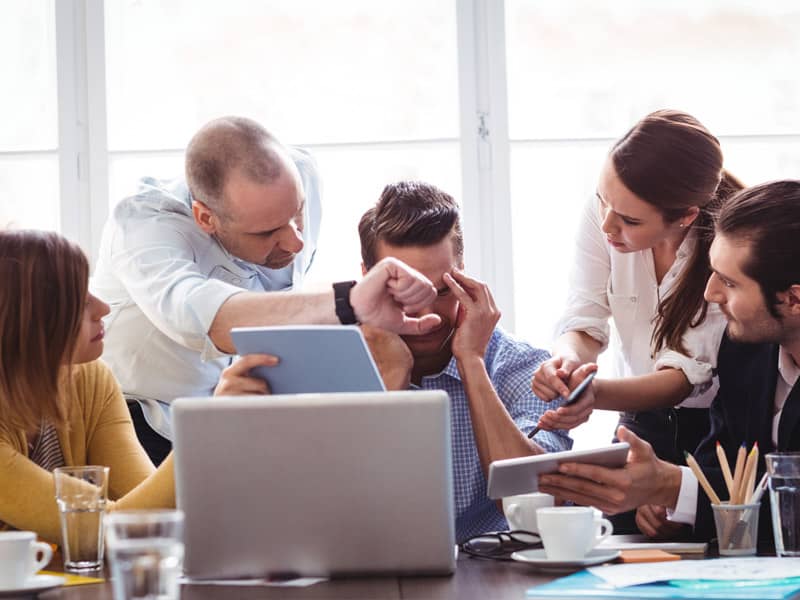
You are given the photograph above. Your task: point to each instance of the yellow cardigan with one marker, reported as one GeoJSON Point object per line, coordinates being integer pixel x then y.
{"type": "Point", "coordinates": [100, 432]}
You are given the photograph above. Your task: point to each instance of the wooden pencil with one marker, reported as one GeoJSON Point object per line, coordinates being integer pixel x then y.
{"type": "Point", "coordinates": [751, 482]}
{"type": "Point", "coordinates": [749, 470]}
{"type": "Point", "coordinates": [726, 469]}
{"type": "Point", "coordinates": [701, 478]}
{"type": "Point", "coordinates": [738, 471]}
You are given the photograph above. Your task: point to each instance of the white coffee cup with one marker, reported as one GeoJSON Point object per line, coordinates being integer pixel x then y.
{"type": "Point", "coordinates": [520, 510]}
{"type": "Point", "coordinates": [570, 532]}
{"type": "Point", "coordinates": [18, 562]}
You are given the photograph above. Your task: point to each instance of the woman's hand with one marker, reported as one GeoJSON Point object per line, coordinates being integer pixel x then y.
{"type": "Point", "coordinates": [569, 417]}
{"type": "Point", "coordinates": [550, 379]}
{"type": "Point", "coordinates": [237, 381]}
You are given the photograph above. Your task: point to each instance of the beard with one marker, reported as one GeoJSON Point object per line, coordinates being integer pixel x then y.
{"type": "Point", "coordinates": [284, 259]}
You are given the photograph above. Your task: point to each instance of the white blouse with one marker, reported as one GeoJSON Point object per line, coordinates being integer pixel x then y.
{"type": "Point", "coordinates": [608, 284]}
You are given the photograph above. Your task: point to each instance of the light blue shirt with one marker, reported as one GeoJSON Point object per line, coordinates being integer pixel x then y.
{"type": "Point", "coordinates": [165, 279]}
{"type": "Point", "coordinates": [510, 364]}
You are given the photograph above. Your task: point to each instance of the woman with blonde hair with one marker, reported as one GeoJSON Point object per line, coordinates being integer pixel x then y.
{"type": "Point", "coordinates": [60, 405]}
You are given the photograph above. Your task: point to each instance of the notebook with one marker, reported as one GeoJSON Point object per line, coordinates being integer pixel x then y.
{"type": "Point", "coordinates": [315, 484]}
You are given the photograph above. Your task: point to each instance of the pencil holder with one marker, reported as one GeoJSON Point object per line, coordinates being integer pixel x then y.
{"type": "Point", "coordinates": [737, 528]}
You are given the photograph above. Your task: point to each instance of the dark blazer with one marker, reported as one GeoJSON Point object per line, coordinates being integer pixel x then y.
{"type": "Point", "coordinates": [742, 412]}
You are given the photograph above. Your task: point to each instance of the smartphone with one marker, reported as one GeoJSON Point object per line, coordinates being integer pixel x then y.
{"type": "Point", "coordinates": [573, 397]}
{"type": "Point", "coordinates": [575, 394]}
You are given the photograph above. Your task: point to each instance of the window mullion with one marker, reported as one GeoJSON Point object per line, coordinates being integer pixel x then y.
{"type": "Point", "coordinates": [73, 196]}
{"type": "Point", "coordinates": [485, 148]}
{"type": "Point", "coordinates": [82, 145]}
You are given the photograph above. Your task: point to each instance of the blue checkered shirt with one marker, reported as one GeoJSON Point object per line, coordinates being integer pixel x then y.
{"type": "Point", "coordinates": [510, 364]}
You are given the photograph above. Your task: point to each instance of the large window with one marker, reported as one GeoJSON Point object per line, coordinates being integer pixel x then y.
{"type": "Point", "coordinates": [370, 88]}
{"type": "Point", "coordinates": [477, 96]}
{"type": "Point", "coordinates": [581, 73]}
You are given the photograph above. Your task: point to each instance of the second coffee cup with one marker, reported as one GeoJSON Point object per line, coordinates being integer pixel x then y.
{"type": "Point", "coordinates": [570, 532]}
{"type": "Point", "coordinates": [521, 510]}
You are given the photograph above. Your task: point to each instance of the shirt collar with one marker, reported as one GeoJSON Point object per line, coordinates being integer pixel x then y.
{"type": "Point", "coordinates": [787, 368]}
{"type": "Point", "coordinates": [451, 369]}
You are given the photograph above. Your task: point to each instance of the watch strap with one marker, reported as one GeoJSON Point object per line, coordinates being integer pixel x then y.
{"type": "Point", "coordinates": [341, 296]}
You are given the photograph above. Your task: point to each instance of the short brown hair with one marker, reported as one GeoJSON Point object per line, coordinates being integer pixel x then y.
{"type": "Point", "coordinates": [767, 216]}
{"type": "Point", "coordinates": [226, 144]}
{"type": "Point", "coordinates": [410, 213]}
{"type": "Point", "coordinates": [672, 162]}
{"type": "Point", "coordinates": [42, 297]}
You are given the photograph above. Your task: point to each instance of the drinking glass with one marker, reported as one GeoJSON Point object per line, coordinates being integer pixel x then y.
{"type": "Point", "coordinates": [784, 495]}
{"type": "Point", "coordinates": [737, 528]}
{"type": "Point", "coordinates": [145, 551]}
{"type": "Point", "coordinates": [81, 495]}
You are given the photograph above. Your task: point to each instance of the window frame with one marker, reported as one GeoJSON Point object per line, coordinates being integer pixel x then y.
{"type": "Point", "coordinates": [84, 156]}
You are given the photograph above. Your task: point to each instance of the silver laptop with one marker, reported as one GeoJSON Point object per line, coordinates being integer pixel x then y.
{"type": "Point", "coordinates": [315, 484]}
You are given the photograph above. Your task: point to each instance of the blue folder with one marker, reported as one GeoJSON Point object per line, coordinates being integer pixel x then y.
{"type": "Point", "coordinates": [586, 585]}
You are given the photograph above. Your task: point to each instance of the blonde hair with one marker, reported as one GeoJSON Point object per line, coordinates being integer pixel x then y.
{"type": "Point", "coordinates": [42, 297]}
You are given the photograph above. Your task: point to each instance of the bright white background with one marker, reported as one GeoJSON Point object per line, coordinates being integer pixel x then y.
{"type": "Point", "coordinates": [510, 106]}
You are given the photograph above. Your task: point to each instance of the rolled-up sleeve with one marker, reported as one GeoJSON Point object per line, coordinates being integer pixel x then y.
{"type": "Point", "coordinates": [587, 303]}
{"type": "Point", "coordinates": [156, 264]}
{"type": "Point", "coordinates": [702, 343]}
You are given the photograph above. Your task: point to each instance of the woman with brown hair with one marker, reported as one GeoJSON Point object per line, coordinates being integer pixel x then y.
{"type": "Point", "coordinates": [642, 260]}
{"type": "Point", "coordinates": [59, 405]}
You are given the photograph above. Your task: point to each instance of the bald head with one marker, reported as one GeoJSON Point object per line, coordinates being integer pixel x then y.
{"type": "Point", "coordinates": [231, 144]}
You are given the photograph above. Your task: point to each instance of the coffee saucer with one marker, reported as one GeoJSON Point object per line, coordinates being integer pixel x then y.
{"type": "Point", "coordinates": [34, 585]}
{"type": "Point", "coordinates": [538, 559]}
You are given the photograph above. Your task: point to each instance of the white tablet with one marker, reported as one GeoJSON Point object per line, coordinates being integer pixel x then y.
{"type": "Point", "coordinates": [521, 475]}
{"type": "Point", "coordinates": [313, 358]}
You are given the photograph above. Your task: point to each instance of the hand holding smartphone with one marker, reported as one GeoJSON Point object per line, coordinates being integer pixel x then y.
{"type": "Point", "coordinates": [574, 396]}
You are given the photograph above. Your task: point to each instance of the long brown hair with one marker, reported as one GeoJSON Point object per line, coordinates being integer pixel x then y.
{"type": "Point", "coordinates": [671, 161]}
{"type": "Point", "coordinates": [42, 296]}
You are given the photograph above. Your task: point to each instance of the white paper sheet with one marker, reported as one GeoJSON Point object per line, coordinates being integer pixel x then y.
{"type": "Point", "coordinates": [297, 582]}
{"type": "Point", "coordinates": [730, 569]}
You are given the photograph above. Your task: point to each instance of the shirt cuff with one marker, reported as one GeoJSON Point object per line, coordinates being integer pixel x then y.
{"type": "Point", "coordinates": [697, 372]}
{"type": "Point", "coordinates": [686, 507]}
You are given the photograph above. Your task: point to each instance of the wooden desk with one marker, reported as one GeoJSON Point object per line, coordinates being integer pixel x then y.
{"type": "Point", "coordinates": [474, 579]}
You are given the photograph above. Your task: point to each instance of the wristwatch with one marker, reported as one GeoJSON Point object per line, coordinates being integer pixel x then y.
{"type": "Point", "coordinates": [341, 296]}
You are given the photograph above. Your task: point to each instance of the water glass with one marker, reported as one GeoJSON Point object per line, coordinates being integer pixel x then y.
{"type": "Point", "coordinates": [784, 495]}
{"type": "Point", "coordinates": [145, 551]}
{"type": "Point", "coordinates": [81, 495]}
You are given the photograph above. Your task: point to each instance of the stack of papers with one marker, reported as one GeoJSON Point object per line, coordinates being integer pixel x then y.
{"type": "Point", "coordinates": [726, 578]}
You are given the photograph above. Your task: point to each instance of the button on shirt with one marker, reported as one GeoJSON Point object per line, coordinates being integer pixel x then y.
{"type": "Point", "coordinates": [608, 284]}
{"type": "Point", "coordinates": [165, 279]}
{"type": "Point", "coordinates": [510, 364]}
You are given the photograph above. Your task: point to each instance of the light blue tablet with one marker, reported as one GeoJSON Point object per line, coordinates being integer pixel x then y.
{"type": "Point", "coordinates": [313, 358]}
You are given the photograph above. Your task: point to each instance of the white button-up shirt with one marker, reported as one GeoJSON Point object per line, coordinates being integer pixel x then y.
{"type": "Point", "coordinates": [165, 279]}
{"type": "Point", "coordinates": [607, 284]}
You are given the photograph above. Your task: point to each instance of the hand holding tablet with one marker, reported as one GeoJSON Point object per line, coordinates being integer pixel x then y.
{"type": "Point", "coordinates": [521, 475]}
